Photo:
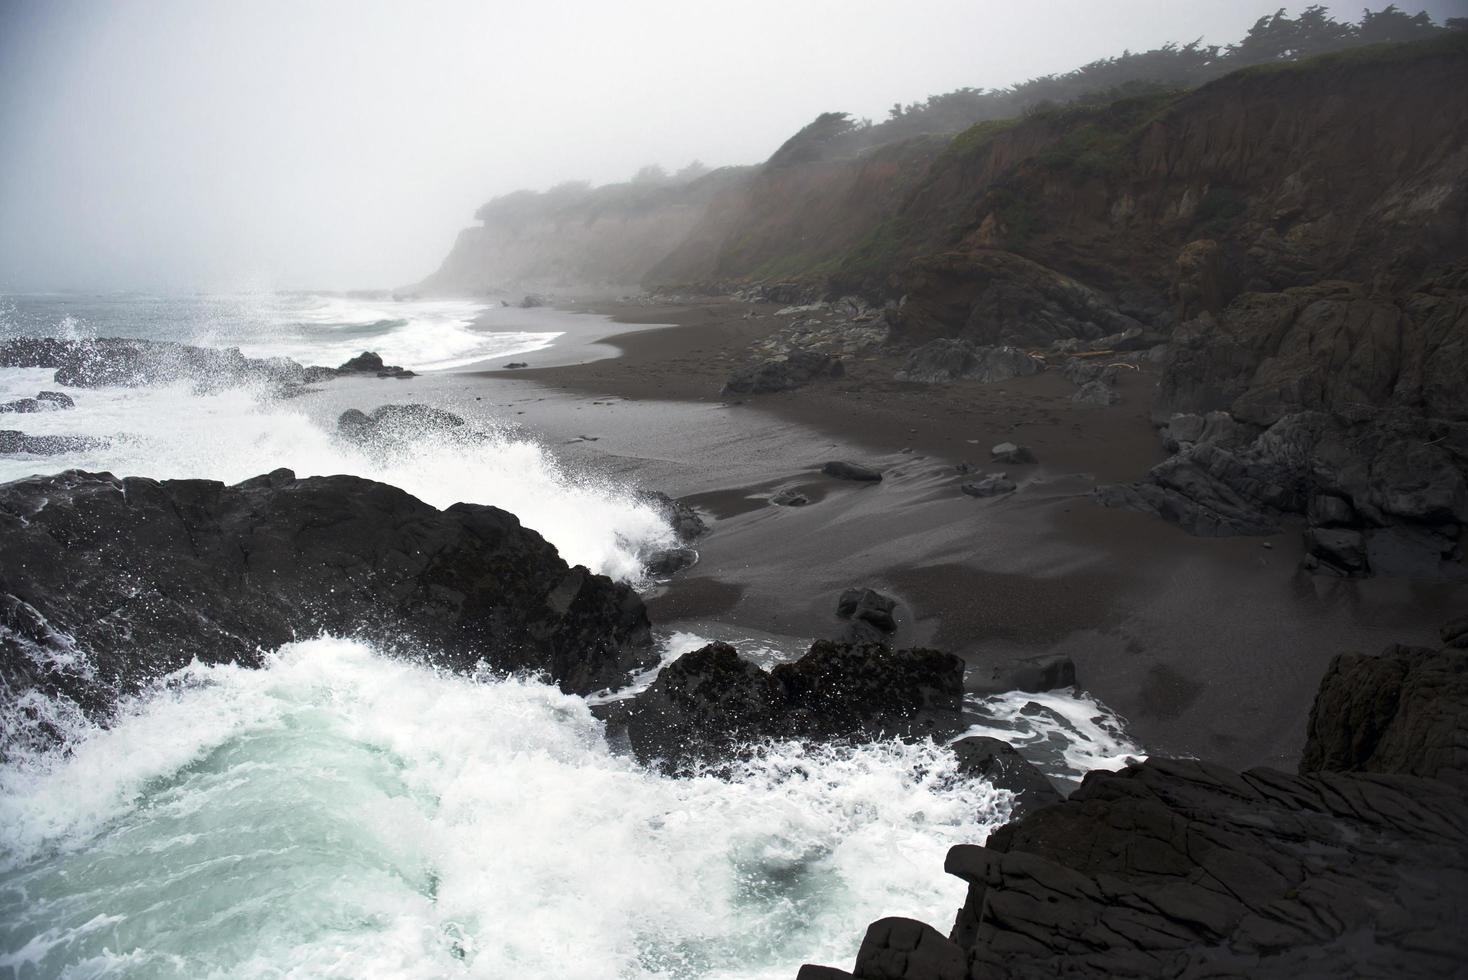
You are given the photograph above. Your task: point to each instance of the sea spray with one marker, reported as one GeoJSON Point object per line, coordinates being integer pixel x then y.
{"type": "Point", "coordinates": [338, 813]}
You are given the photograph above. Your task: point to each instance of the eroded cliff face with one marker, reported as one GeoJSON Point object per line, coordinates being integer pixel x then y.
{"type": "Point", "coordinates": [610, 236]}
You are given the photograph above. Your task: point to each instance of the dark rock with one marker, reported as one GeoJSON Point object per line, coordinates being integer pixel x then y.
{"type": "Point", "coordinates": [708, 705]}
{"type": "Point", "coordinates": [1000, 764]}
{"type": "Point", "coordinates": [516, 364]}
{"type": "Point", "coordinates": [1032, 675]}
{"type": "Point", "coordinates": [944, 360]}
{"type": "Point", "coordinates": [56, 398]}
{"type": "Point", "coordinates": [1358, 866]}
{"type": "Point", "coordinates": [531, 301]}
{"type": "Point", "coordinates": [670, 560]}
{"type": "Point", "coordinates": [1455, 633]}
{"type": "Point", "coordinates": [851, 471]}
{"type": "Point", "coordinates": [16, 443]}
{"type": "Point", "coordinates": [1328, 510]}
{"type": "Point", "coordinates": [685, 521]}
{"type": "Point", "coordinates": [1096, 394]}
{"type": "Point", "coordinates": [143, 576]}
{"type": "Point", "coordinates": [398, 425]}
{"type": "Point", "coordinates": [21, 406]}
{"type": "Point", "coordinates": [994, 485]}
{"type": "Point", "coordinates": [125, 362]}
{"type": "Point", "coordinates": [789, 498]}
{"type": "Point", "coordinates": [1008, 452]}
{"type": "Point", "coordinates": [796, 369]}
{"type": "Point", "coordinates": [868, 606]}
{"type": "Point", "coordinates": [964, 469]}
{"type": "Point", "coordinates": [365, 362]}
{"type": "Point", "coordinates": [1341, 551]}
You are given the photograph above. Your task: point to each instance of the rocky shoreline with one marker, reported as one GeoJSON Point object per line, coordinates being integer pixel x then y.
{"type": "Point", "coordinates": [1356, 866]}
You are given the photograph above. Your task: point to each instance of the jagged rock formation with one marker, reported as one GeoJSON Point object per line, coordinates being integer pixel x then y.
{"type": "Point", "coordinates": [107, 583]}
{"type": "Point", "coordinates": [1358, 866]}
{"type": "Point", "coordinates": [130, 363]}
{"type": "Point", "coordinates": [943, 360]}
{"type": "Point", "coordinates": [708, 704]}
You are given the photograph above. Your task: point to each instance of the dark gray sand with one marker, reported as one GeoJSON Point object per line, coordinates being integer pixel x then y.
{"type": "Point", "coordinates": [1210, 647]}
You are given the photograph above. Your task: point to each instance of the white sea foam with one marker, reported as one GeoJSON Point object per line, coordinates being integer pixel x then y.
{"type": "Point", "coordinates": [231, 435]}
{"type": "Point", "coordinates": [341, 814]}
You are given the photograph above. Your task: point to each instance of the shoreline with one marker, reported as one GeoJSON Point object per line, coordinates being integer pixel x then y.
{"type": "Point", "coordinates": [1209, 647]}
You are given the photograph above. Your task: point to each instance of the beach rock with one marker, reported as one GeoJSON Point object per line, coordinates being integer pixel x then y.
{"type": "Point", "coordinates": [868, 607]}
{"type": "Point", "coordinates": [395, 425]}
{"type": "Point", "coordinates": [18, 443]}
{"type": "Point", "coordinates": [794, 370]}
{"type": "Point", "coordinates": [513, 365]}
{"type": "Point", "coordinates": [365, 362]}
{"type": "Point", "coordinates": [851, 471]}
{"type": "Point", "coordinates": [1340, 551]}
{"type": "Point", "coordinates": [1358, 866]}
{"type": "Point", "coordinates": [126, 362]}
{"type": "Point", "coordinates": [1008, 452]}
{"type": "Point", "coordinates": [46, 401]}
{"type": "Point", "coordinates": [669, 560]}
{"type": "Point", "coordinates": [685, 521]}
{"type": "Point", "coordinates": [1096, 394]}
{"type": "Point", "coordinates": [122, 580]}
{"type": "Point", "coordinates": [1000, 764]}
{"type": "Point", "coordinates": [531, 301]}
{"type": "Point", "coordinates": [789, 498]}
{"type": "Point", "coordinates": [945, 360]}
{"type": "Point", "coordinates": [994, 485]}
{"type": "Point", "coordinates": [709, 705]}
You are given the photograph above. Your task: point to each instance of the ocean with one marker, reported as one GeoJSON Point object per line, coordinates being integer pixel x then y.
{"type": "Point", "coordinates": [340, 813]}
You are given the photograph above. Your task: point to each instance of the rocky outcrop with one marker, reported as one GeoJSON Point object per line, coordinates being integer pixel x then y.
{"type": "Point", "coordinates": [46, 401]}
{"type": "Point", "coordinates": [793, 370]}
{"type": "Point", "coordinates": [130, 363]}
{"type": "Point", "coordinates": [707, 705]}
{"type": "Point", "coordinates": [1386, 495]}
{"type": "Point", "coordinates": [13, 443]}
{"type": "Point", "coordinates": [395, 425]}
{"type": "Point", "coordinates": [1000, 764]}
{"type": "Point", "coordinates": [107, 583]}
{"type": "Point", "coordinates": [869, 613]}
{"type": "Point", "coordinates": [944, 360]}
{"type": "Point", "coordinates": [1358, 866]}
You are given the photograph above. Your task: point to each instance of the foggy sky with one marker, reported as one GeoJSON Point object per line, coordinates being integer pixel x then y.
{"type": "Point", "coordinates": [182, 144]}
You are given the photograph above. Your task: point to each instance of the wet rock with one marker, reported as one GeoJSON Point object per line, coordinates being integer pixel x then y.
{"type": "Point", "coordinates": [670, 560]}
{"type": "Point", "coordinates": [56, 399]}
{"type": "Point", "coordinates": [1000, 764]}
{"type": "Point", "coordinates": [365, 362]}
{"type": "Point", "coordinates": [1341, 551]}
{"type": "Point", "coordinates": [789, 498]}
{"type": "Point", "coordinates": [994, 485]}
{"type": "Point", "coordinates": [868, 606]}
{"type": "Point", "coordinates": [513, 365]}
{"type": "Point", "coordinates": [1008, 452]}
{"type": "Point", "coordinates": [709, 705]}
{"type": "Point", "coordinates": [842, 470]}
{"type": "Point", "coordinates": [531, 301]}
{"type": "Point", "coordinates": [126, 362]}
{"type": "Point", "coordinates": [144, 576]}
{"type": "Point", "coordinates": [46, 401]}
{"type": "Point", "coordinates": [1179, 868]}
{"type": "Point", "coordinates": [395, 425]}
{"type": "Point", "coordinates": [945, 360]}
{"type": "Point", "coordinates": [687, 523]}
{"type": "Point", "coordinates": [794, 370]}
{"type": "Point", "coordinates": [1455, 633]}
{"type": "Point", "coordinates": [1096, 394]}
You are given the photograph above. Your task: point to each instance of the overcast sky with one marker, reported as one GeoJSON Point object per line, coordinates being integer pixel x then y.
{"type": "Point", "coordinates": [181, 144]}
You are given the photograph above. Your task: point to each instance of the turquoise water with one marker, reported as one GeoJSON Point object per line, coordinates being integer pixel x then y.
{"type": "Point", "coordinates": [342, 814]}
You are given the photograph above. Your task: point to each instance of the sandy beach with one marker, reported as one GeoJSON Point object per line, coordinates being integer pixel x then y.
{"type": "Point", "coordinates": [1209, 647]}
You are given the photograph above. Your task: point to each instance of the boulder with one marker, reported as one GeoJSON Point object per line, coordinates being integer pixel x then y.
{"type": "Point", "coordinates": [395, 425]}
{"type": "Point", "coordinates": [865, 607]}
{"type": "Point", "coordinates": [709, 705]}
{"type": "Point", "coordinates": [1096, 394]}
{"type": "Point", "coordinates": [1000, 764]}
{"type": "Point", "coordinates": [46, 401]}
{"type": "Point", "coordinates": [112, 582]}
{"type": "Point", "coordinates": [531, 301]}
{"type": "Point", "coordinates": [789, 498]}
{"type": "Point", "coordinates": [515, 365]}
{"type": "Point", "coordinates": [666, 561]}
{"type": "Point", "coordinates": [994, 485]}
{"type": "Point", "coordinates": [685, 521]}
{"type": "Point", "coordinates": [945, 360]}
{"type": "Point", "coordinates": [851, 471]}
{"type": "Point", "coordinates": [794, 370]}
{"type": "Point", "coordinates": [1340, 551]}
